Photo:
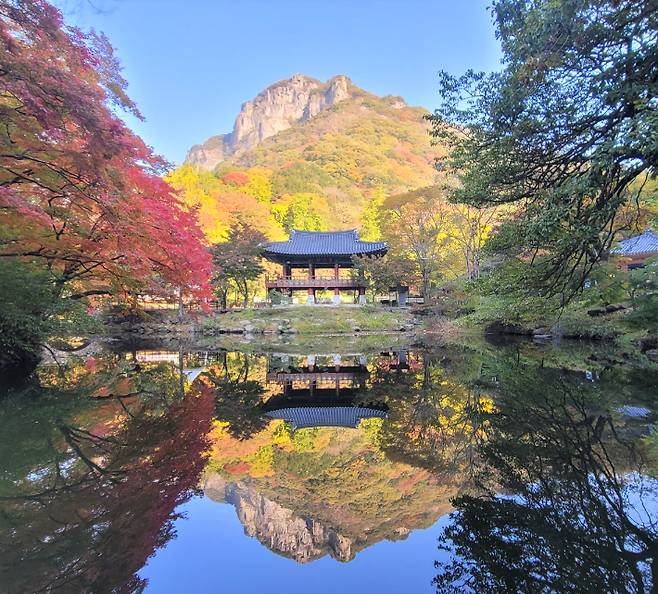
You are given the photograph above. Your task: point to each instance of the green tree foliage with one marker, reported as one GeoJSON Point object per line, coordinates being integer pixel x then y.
{"type": "Point", "coordinates": [562, 131]}
{"type": "Point", "coordinates": [237, 262]}
{"type": "Point", "coordinates": [305, 211]}
{"type": "Point", "coordinates": [384, 274]}
{"type": "Point", "coordinates": [641, 286]}
{"type": "Point", "coordinates": [300, 177]}
{"type": "Point", "coordinates": [32, 308]}
{"type": "Point", "coordinates": [28, 300]}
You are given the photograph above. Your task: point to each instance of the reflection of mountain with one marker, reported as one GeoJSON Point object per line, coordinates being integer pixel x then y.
{"type": "Point", "coordinates": [319, 478]}
{"type": "Point", "coordinates": [319, 491]}
{"type": "Point", "coordinates": [278, 528]}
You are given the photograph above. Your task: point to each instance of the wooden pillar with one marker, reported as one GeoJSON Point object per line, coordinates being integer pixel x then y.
{"type": "Point", "coordinates": [311, 290]}
{"type": "Point", "coordinates": [336, 272]}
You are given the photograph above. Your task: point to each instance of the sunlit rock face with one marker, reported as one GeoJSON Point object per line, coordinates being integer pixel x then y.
{"type": "Point", "coordinates": [278, 528]}
{"type": "Point", "coordinates": [212, 151]}
{"type": "Point", "coordinates": [277, 108]}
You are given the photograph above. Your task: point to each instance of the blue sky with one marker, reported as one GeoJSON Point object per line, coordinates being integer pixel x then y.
{"type": "Point", "coordinates": [191, 64]}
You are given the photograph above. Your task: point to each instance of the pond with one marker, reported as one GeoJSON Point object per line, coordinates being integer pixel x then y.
{"type": "Point", "coordinates": [168, 468]}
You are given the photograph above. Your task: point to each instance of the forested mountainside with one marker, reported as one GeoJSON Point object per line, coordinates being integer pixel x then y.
{"type": "Point", "coordinates": [309, 155]}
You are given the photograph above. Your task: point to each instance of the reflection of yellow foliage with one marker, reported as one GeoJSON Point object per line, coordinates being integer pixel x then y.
{"type": "Point", "coordinates": [304, 440]}
{"type": "Point", "coordinates": [50, 376]}
{"type": "Point", "coordinates": [227, 448]}
{"type": "Point", "coordinates": [281, 436]}
{"type": "Point", "coordinates": [337, 476]}
{"type": "Point", "coordinates": [372, 430]}
{"type": "Point", "coordinates": [261, 462]}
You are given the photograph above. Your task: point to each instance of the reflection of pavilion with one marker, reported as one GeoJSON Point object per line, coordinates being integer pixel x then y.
{"type": "Point", "coordinates": [398, 360]}
{"type": "Point", "coordinates": [301, 417]}
{"type": "Point", "coordinates": [320, 391]}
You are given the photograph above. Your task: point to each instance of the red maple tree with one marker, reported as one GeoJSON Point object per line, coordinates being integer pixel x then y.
{"type": "Point", "coordinates": [80, 192]}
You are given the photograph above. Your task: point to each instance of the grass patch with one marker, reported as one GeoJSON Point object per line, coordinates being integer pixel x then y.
{"type": "Point", "coordinates": [316, 319]}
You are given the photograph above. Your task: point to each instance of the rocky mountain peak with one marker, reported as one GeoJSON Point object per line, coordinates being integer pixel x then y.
{"type": "Point", "coordinates": [275, 109]}
{"type": "Point", "coordinates": [278, 528]}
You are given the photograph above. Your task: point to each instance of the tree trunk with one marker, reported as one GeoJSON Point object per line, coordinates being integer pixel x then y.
{"type": "Point", "coordinates": [475, 269]}
{"type": "Point", "coordinates": [426, 284]}
{"type": "Point", "coordinates": [245, 294]}
{"type": "Point", "coordinates": [181, 306]}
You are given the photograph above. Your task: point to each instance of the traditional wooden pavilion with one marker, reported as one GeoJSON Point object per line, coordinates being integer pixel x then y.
{"type": "Point", "coordinates": [636, 250]}
{"type": "Point", "coordinates": [313, 251]}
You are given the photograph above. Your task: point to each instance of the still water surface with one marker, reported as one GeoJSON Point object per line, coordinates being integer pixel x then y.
{"type": "Point", "coordinates": [487, 468]}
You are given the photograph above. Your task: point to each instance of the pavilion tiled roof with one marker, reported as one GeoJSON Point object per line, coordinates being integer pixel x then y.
{"type": "Point", "coordinates": [325, 243]}
{"type": "Point", "coordinates": [646, 243]}
{"type": "Point", "coordinates": [330, 416]}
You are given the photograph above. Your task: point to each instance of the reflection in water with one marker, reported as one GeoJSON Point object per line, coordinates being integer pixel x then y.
{"type": "Point", "coordinates": [89, 488]}
{"type": "Point", "coordinates": [546, 464]}
{"type": "Point", "coordinates": [278, 528]}
{"type": "Point", "coordinates": [313, 485]}
{"type": "Point", "coordinates": [578, 513]}
{"type": "Point", "coordinates": [320, 395]}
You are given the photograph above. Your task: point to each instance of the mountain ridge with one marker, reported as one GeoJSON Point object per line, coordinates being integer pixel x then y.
{"type": "Point", "coordinates": [276, 108]}
{"type": "Point", "coordinates": [312, 155]}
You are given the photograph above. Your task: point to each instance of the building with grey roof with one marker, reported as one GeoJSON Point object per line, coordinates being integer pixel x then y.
{"type": "Point", "coordinates": [313, 251]}
{"type": "Point", "coordinates": [636, 250]}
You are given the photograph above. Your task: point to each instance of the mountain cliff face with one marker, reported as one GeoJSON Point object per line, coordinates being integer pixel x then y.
{"type": "Point", "coordinates": [278, 528]}
{"type": "Point", "coordinates": [277, 108]}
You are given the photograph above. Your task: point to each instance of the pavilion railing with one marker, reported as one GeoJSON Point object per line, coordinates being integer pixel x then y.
{"type": "Point", "coordinates": [319, 282]}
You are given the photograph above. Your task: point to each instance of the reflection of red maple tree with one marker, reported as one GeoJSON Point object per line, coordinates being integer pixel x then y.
{"type": "Point", "coordinates": [95, 528]}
